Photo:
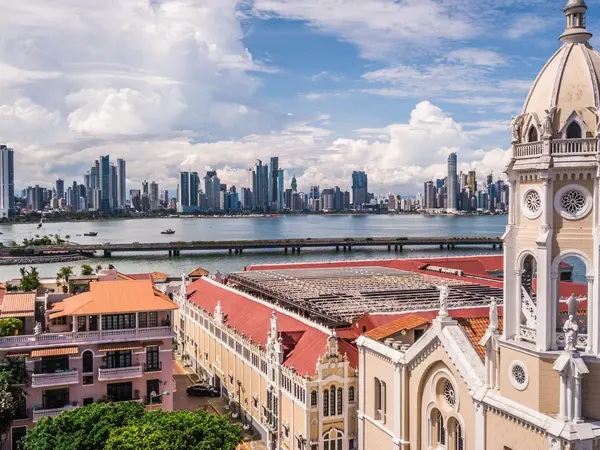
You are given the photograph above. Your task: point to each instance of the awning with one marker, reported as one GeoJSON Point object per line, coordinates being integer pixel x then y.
{"type": "Point", "coordinates": [120, 346]}
{"type": "Point", "coordinates": [17, 355]}
{"type": "Point", "coordinates": [59, 351]}
{"type": "Point", "coordinates": [153, 343]}
{"type": "Point", "coordinates": [16, 315]}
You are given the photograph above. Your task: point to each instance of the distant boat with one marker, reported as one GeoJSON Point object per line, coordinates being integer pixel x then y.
{"type": "Point", "coordinates": [169, 231]}
{"type": "Point", "coordinates": [91, 233]}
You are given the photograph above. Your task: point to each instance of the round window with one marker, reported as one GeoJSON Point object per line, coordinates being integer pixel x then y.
{"type": "Point", "coordinates": [449, 394]}
{"type": "Point", "coordinates": [519, 377]}
{"type": "Point", "coordinates": [532, 204]}
{"type": "Point", "coordinates": [573, 202]}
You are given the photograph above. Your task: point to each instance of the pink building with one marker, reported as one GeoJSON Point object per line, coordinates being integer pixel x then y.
{"type": "Point", "coordinates": [113, 342]}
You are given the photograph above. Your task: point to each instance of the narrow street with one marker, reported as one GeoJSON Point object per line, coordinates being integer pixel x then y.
{"type": "Point", "coordinates": [213, 405]}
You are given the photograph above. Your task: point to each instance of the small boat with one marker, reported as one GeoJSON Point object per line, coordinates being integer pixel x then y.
{"type": "Point", "coordinates": [169, 231]}
{"type": "Point", "coordinates": [91, 233]}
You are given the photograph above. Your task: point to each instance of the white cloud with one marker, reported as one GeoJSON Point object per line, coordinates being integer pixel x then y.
{"type": "Point", "coordinates": [477, 57]}
{"type": "Point", "coordinates": [525, 25]}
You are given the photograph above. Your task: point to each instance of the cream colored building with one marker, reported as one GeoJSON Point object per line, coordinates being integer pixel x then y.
{"type": "Point", "coordinates": [535, 384]}
{"type": "Point", "coordinates": [294, 378]}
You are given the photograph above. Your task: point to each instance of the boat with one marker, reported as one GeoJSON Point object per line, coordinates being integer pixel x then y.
{"type": "Point", "coordinates": [91, 233]}
{"type": "Point", "coordinates": [169, 231]}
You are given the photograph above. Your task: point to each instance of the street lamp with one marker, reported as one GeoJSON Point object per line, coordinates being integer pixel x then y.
{"type": "Point", "coordinates": [153, 394]}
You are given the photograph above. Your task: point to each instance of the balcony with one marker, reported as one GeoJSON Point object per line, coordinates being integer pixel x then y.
{"type": "Point", "coordinates": [119, 373]}
{"type": "Point", "coordinates": [558, 148]}
{"type": "Point", "coordinates": [39, 413]}
{"type": "Point", "coordinates": [54, 379]}
{"type": "Point", "coordinates": [529, 150]}
{"type": "Point", "coordinates": [84, 337]}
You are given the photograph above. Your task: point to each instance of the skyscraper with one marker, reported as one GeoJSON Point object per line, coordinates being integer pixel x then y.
{"type": "Point", "coordinates": [280, 190]}
{"type": "Point", "coordinates": [114, 182]}
{"type": "Point", "coordinates": [360, 188]}
{"type": "Point", "coordinates": [153, 196]}
{"type": "Point", "coordinates": [294, 184]}
{"type": "Point", "coordinates": [273, 184]}
{"type": "Point", "coordinates": [60, 188]}
{"type": "Point", "coordinates": [7, 181]}
{"type": "Point", "coordinates": [183, 194]}
{"type": "Point", "coordinates": [260, 186]}
{"type": "Point", "coordinates": [104, 165]}
{"type": "Point", "coordinates": [121, 183]}
{"type": "Point", "coordinates": [212, 190]}
{"type": "Point", "coordinates": [452, 205]}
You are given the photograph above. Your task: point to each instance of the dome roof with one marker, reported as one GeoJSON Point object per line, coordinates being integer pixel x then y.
{"type": "Point", "coordinates": [569, 83]}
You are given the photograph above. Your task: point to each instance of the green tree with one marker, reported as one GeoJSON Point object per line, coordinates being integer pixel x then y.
{"type": "Point", "coordinates": [11, 398]}
{"type": "Point", "coordinates": [98, 267]}
{"type": "Point", "coordinates": [85, 428]}
{"type": "Point", "coordinates": [177, 430]}
{"type": "Point", "coordinates": [62, 277]}
{"type": "Point", "coordinates": [86, 269]}
{"type": "Point", "coordinates": [111, 267]}
{"type": "Point", "coordinates": [30, 279]}
{"type": "Point", "coordinates": [127, 426]}
{"type": "Point", "coordinates": [10, 326]}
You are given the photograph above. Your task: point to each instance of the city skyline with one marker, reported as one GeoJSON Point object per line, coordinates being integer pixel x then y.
{"type": "Point", "coordinates": [420, 98]}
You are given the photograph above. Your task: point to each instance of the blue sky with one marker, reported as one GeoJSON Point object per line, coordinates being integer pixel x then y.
{"type": "Point", "coordinates": [329, 86]}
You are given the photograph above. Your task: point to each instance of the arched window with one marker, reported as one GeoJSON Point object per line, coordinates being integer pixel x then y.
{"type": "Point", "coordinates": [88, 361]}
{"type": "Point", "coordinates": [313, 398]}
{"type": "Point", "coordinates": [441, 431]}
{"type": "Point", "coordinates": [574, 131]}
{"type": "Point", "coordinates": [332, 401]}
{"type": "Point", "coordinates": [325, 402]}
{"type": "Point", "coordinates": [330, 438]}
{"type": "Point", "coordinates": [350, 394]}
{"type": "Point", "coordinates": [532, 136]}
{"type": "Point", "coordinates": [340, 400]}
{"type": "Point", "coordinates": [458, 438]}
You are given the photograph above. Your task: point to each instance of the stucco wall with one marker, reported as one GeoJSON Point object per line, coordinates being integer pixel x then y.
{"type": "Point", "coordinates": [502, 433]}
{"type": "Point", "coordinates": [590, 390]}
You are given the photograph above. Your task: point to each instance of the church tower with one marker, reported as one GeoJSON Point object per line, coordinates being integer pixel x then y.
{"type": "Point", "coordinates": [554, 181]}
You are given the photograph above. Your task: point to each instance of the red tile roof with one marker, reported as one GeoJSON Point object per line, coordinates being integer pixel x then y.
{"type": "Point", "coordinates": [475, 328]}
{"type": "Point", "coordinates": [303, 342]}
{"type": "Point", "coordinates": [407, 322]}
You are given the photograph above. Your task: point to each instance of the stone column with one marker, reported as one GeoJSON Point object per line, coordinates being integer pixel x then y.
{"type": "Point", "coordinates": [592, 331]}
{"type": "Point", "coordinates": [577, 400]}
{"type": "Point", "coordinates": [563, 398]}
{"type": "Point", "coordinates": [518, 304]}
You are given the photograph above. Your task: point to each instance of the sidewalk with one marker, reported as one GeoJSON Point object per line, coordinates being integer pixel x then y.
{"type": "Point", "coordinates": [185, 377]}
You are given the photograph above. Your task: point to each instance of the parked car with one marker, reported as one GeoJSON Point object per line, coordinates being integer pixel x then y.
{"type": "Point", "coordinates": [198, 390]}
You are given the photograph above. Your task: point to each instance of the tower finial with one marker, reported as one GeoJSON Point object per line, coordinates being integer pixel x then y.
{"type": "Point", "coordinates": [575, 33]}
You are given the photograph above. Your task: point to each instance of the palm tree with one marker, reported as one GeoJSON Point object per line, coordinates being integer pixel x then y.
{"type": "Point", "coordinates": [62, 277]}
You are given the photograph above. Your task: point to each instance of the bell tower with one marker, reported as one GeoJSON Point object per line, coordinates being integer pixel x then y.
{"type": "Point", "coordinates": [553, 228]}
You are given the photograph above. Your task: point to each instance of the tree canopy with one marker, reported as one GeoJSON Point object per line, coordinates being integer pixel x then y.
{"type": "Point", "coordinates": [9, 326]}
{"type": "Point", "coordinates": [127, 426]}
{"type": "Point", "coordinates": [86, 269]}
{"type": "Point", "coordinates": [30, 279]}
{"type": "Point", "coordinates": [11, 398]}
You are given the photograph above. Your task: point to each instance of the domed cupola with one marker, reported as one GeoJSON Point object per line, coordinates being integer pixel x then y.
{"type": "Point", "coordinates": [564, 101]}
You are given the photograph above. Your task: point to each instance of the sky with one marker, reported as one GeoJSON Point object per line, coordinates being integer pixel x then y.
{"type": "Point", "coordinates": [329, 86]}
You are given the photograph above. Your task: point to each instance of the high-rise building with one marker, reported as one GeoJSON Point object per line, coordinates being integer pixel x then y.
{"type": "Point", "coordinates": [164, 198]}
{"type": "Point", "coordinates": [104, 166]}
{"type": "Point", "coordinates": [144, 187]}
{"type": "Point", "coordinates": [212, 190]}
{"type": "Point", "coordinates": [135, 196]}
{"type": "Point", "coordinates": [273, 184]}
{"type": "Point", "coordinates": [114, 185]}
{"type": "Point", "coordinates": [121, 183]}
{"type": "Point", "coordinates": [429, 191]}
{"type": "Point", "coordinates": [360, 188]}
{"type": "Point", "coordinates": [60, 188]}
{"type": "Point", "coordinates": [153, 196]}
{"type": "Point", "coordinates": [472, 181]}
{"type": "Point", "coordinates": [294, 184]}
{"type": "Point", "coordinates": [7, 181]}
{"type": "Point", "coordinates": [74, 197]}
{"type": "Point", "coordinates": [328, 196]}
{"type": "Point", "coordinates": [260, 186]}
{"type": "Point", "coordinates": [280, 190]}
{"type": "Point", "coordinates": [452, 205]}
{"type": "Point", "coordinates": [36, 198]}
{"type": "Point", "coordinates": [183, 193]}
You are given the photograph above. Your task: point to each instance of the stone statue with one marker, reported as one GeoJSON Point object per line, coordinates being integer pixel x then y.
{"type": "Point", "coordinates": [443, 300]}
{"type": "Point", "coordinates": [37, 329]}
{"type": "Point", "coordinates": [548, 122]}
{"type": "Point", "coordinates": [493, 315]}
{"type": "Point", "coordinates": [571, 329]}
{"type": "Point", "coordinates": [572, 305]}
{"type": "Point", "coordinates": [515, 128]}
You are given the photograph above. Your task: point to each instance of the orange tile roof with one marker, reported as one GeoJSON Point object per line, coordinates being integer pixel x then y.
{"type": "Point", "coordinates": [114, 297]}
{"type": "Point", "coordinates": [475, 328]}
{"type": "Point", "coordinates": [407, 322]}
{"type": "Point", "coordinates": [59, 351]}
{"type": "Point", "coordinates": [198, 272]}
{"type": "Point", "coordinates": [18, 305]}
{"type": "Point", "coordinates": [155, 276]}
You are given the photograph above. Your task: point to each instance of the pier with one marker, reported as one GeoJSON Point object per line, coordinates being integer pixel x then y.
{"type": "Point", "coordinates": [295, 246]}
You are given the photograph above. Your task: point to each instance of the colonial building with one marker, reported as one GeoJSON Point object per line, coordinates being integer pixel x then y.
{"type": "Point", "coordinates": [289, 377]}
{"type": "Point", "coordinates": [113, 342]}
{"type": "Point", "coordinates": [531, 382]}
